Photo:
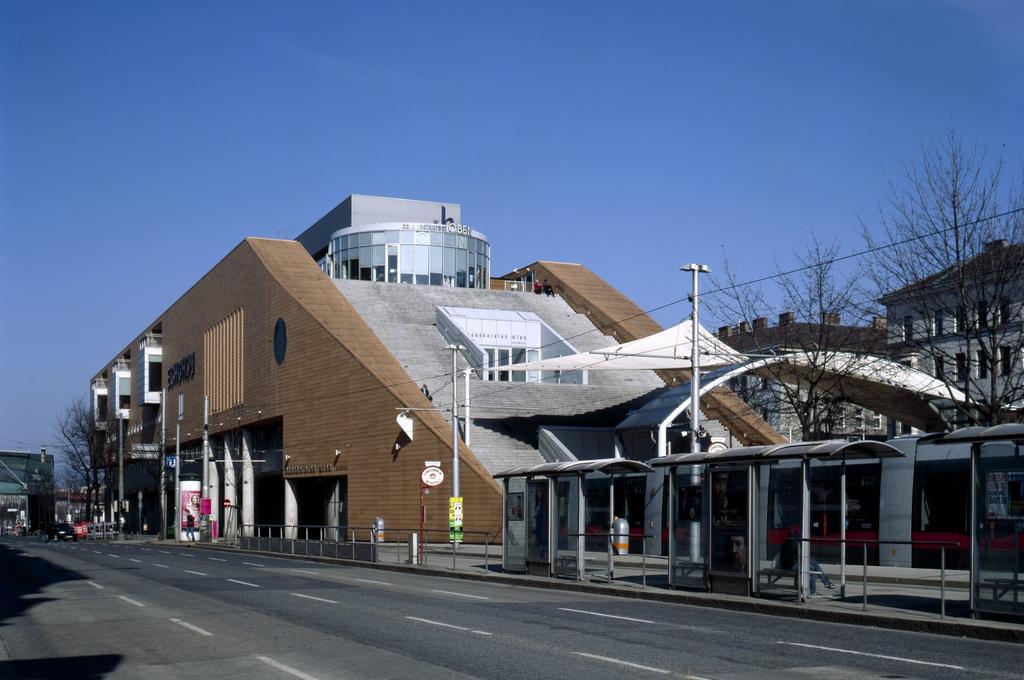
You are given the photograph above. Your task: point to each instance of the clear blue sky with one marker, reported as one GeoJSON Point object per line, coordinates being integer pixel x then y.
{"type": "Point", "coordinates": [139, 142]}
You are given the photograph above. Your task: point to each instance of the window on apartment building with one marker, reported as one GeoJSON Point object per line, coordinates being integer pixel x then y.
{"type": "Point", "coordinates": [1004, 360]}
{"type": "Point", "coordinates": [940, 368]}
{"type": "Point", "coordinates": [983, 314]}
{"type": "Point", "coordinates": [939, 322]}
{"type": "Point", "coordinates": [1004, 312]}
{"type": "Point", "coordinates": [961, 367]}
{"type": "Point", "coordinates": [908, 328]}
{"type": "Point", "coordinates": [982, 364]}
{"type": "Point", "coordinates": [961, 320]}
{"type": "Point", "coordinates": [155, 376]}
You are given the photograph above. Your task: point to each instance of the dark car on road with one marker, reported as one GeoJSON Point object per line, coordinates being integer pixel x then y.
{"type": "Point", "coordinates": [62, 532]}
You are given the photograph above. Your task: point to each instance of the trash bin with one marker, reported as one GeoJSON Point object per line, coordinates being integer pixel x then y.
{"type": "Point", "coordinates": [620, 536]}
{"type": "Point", "coordinates": [377, 535]}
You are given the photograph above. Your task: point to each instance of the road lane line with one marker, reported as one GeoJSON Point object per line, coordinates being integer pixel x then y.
{"type": "Point", "coordinates": [164, 552]}
{"type": "Point", "coordinates": [112, 555]}
{"type": "Point", "coordinates": [147, 550]}
{"type": "Point", "coordinates": [252, 564]}
{"type": "Point", "coordinates": [195, 629]}
{"type": "Point", "coordinates": [132, 559]}
{"type": "Point", "coordinates": [131, 601]}
{"type": "Point", "coordinates": [95, 585]}
{"type": "Point", "coordinates": [307, 571]}
{"type": "Point", "coordinates": [186, 555]}
{"type": "Point", "coordinates": [162, 566]}
{"type": "Point", "coordinates": [311, 597]}
{"type": "Point", "coordinates": [367, 580]}
{"type": "Point", "coordinates": [662, 671]}
{"type": "Point", "coordinates": [96, 551]}
{"type": "Point", "coordinates": [877, 656]}
{"type": "Point", "coordinates": [287, 669]}
{"type": "Point", "coordinates": [216, 559]}
{"type": "Point", "coordinates": [448, 625]}
{"type": "Point", "coordinates": [607, 616]}
{"type": "Point", "coordinates": [197, 573]}
{"type": "Point", "coordinates": [244, 583]}
{"type": "Point", "coordinates": [449, 592]}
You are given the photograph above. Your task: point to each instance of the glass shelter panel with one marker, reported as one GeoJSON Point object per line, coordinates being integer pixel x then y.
{"type": "Point", "coordinates": [999, 501]}
{"type": "Point", "coordinates": [687, 551]}
{"type": "Point", "coordinates": [537, 522]}
{"type": "Point", "coordinates": [729, 522]}
{"type": "Point", "coordinates": [597, 519]}
{"type": "Point", "coordinates": [515, 523]}
{"type": "Point", "coordinates": [567, 527]}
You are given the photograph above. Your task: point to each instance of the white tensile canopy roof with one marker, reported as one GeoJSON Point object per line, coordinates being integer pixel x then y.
{"type": "Point", "coordinates": [671, 348]}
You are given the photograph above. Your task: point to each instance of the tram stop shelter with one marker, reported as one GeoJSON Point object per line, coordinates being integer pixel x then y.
{"type": "Point", "coordinates": [997, 517]}
{"type": "Point", "coordinates": [558, 517]}
{"type": "Point", "coordinates": [754, 533]}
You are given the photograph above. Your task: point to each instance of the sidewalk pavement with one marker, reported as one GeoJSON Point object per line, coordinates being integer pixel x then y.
{"type": "Point", "coordinates": [897, 598]}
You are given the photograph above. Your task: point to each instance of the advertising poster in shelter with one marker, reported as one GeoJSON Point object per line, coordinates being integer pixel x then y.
{"type": "Point", "coordinates": [1004, 495]}
{"type": "Point", "coordinates": [729, 522]}
{"type": "Point", "coordinates": [190, 495]}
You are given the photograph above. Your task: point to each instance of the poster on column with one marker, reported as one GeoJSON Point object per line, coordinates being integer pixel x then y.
{"type": "Point", "coordinates": [190, 496]}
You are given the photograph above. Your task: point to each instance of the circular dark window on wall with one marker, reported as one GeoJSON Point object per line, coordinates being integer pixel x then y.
{"type": "Point", "coordinates": [280, 341]}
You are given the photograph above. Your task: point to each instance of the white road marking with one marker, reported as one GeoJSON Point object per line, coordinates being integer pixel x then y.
{"type": "Point", "coordinates": [95, 585]}
{"type": "Point", "coordinates": [307, 571]}
{"type": "Point", "coordinates": [187, 555]}
{"type": "Point", "coordinates": [252, 564]}
{"type": "Point", "coordinates": [112, 554]}
{"type": "Point", "coordinates": [607, 616]}
{"type": "Point", "coordinates": [195, 629]}
{"type": "Point", "coordinates": [287, 669]}
{"type": "Point", "coordinates": [244, 583]}
{"type": "Point", "coordinates": [131, 601]}
{"type": "Point", "coordinates": [447, 625]}
{"type": "Point", "coordinates": [623, 663]}
{"type": "Point", "coordinates": [448, 592]}
{"type": "Point", "coordinates": [147, 550]}
{"type": "Point", "coordinates": [311, 597]}
{"type": "Point", "coordinates": [877, 656]}
{"type": "Point", "coordinates": [96, 551]}
{"type": "Point", "coordinates": [216, 559]}
{"type": "Point", "coordinates": [367, 580]}
{"type": "Point", "coordinates": [164, 552]}
{"type": "Point", "coordinates": [132, 559]}
{"type": "Point", "coordinates": [162, 566]}
{"type": "Point", "coordinates": [197, 573]}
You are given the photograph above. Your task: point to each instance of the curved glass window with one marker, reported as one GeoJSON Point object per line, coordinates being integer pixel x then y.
{"type": "Point", "coordinates": [414, 254]}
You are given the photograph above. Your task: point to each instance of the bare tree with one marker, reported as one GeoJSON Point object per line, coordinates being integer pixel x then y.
{"type": "Point", "coordinates": [953, 281]}
{"type": "Point", "coordinates": [82, 443]}
{"type": "Point", "coordinates": [815, 297]}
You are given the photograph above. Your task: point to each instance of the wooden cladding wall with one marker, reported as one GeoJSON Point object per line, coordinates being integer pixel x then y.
{"type": "Point", "coordinates": [224, 350]}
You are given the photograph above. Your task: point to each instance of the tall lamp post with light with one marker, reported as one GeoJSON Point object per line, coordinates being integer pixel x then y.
{"type": "Point", "coordinates": [695, 270]}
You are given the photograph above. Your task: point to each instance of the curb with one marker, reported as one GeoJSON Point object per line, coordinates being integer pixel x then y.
{"type": "Point", "coordinates": [966, 629]}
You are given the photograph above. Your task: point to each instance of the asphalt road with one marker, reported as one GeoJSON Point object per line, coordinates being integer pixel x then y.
{"type": "Point", "coordinates": [87, 610]}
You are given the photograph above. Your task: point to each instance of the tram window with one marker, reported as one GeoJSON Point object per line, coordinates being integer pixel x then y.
{"type": "Point", "coordinates": [941, 496]}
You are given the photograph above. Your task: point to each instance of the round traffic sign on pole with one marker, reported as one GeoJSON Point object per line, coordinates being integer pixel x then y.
{"type": "Point", "coordinates": [432, 475]}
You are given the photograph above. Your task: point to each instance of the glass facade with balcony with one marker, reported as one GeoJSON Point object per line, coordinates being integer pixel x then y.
{"type": "Point", "coordinates": [421, 254]}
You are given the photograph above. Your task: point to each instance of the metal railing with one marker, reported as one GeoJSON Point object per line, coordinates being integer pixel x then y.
{"type": "Point", "coordinates": [864, 543]}
{"type": "Point", "coordinates": [363, 543]}
{"type": "Point", "coordinates": [611, 553]}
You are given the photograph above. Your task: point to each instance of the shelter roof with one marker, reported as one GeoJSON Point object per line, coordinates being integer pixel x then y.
{"type": "Point", "coordinates": [835, 449]}
{"type": "Point", "coordinates": [608, 466]}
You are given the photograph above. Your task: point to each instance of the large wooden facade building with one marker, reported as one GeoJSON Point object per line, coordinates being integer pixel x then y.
{"type": "Point", "coordinates": [305, 372]}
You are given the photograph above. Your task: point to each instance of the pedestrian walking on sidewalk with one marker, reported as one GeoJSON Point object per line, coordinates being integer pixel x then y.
{"type": "Point", "coordinates": [190, 527]}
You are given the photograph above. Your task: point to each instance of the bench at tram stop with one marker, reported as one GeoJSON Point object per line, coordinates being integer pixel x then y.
{"type": "Point", "coordinates": [1002, 586]}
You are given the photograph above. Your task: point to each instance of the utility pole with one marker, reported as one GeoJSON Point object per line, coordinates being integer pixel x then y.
{"type": "Point", "coordinates": [120, 473]}
{"type": "Point", "coordinates": [163, 464]}
{"type": "Point", "coordinates": [455, 419]}
{"type": "Point", "coordinates": [696, 269]}
{"type": "Point", "coordinates": [177, 480]}
{"type": "Point", "coordinates": [206, 454]}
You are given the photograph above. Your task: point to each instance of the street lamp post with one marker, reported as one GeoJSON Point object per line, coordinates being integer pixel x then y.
{"type": "Point", "coordinates": [695, 269]}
